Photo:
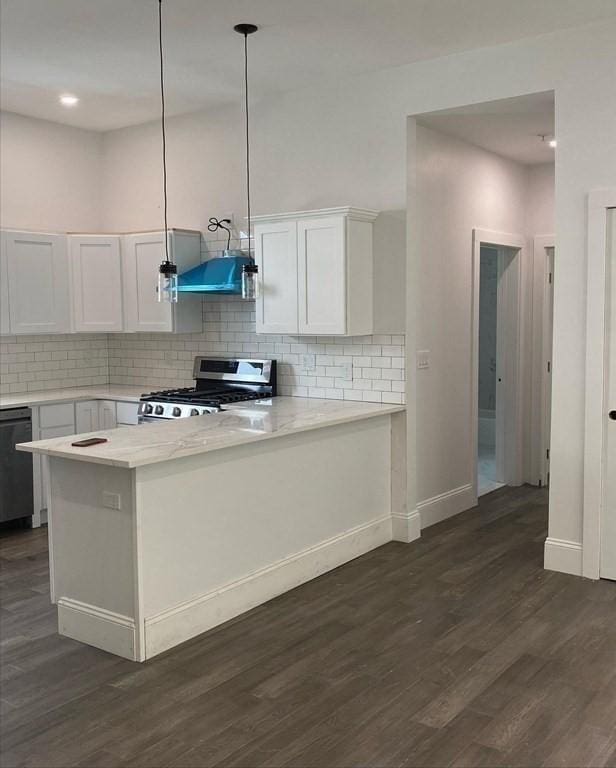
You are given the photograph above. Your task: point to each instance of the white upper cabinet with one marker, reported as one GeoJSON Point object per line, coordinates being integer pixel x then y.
{"type": "Point", "coordinates": [141, 257]}
{"type": "Point", "coordinates": [97, 283]}
{"type": "Point", "coordinates": [37, 283]}
{"type": "Point", "coordinates": [315, 272]}
{"type": "Point", "coordinates": [276, 256]}
{"type": "Point", "coordinates": [5, 325]}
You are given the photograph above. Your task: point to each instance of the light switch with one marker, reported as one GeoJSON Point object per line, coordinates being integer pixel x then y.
{"type": "Point", "coordinates": [112, 500]}
{"type": "Point", "coordinates": [423, 359]}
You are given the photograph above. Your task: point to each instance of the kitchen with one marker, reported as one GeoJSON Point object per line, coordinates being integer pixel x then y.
{"type": "Point", "coordinates": [208, 376]}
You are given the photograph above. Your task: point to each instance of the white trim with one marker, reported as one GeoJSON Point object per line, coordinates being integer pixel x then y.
{"type": "Point", "coordinates": [562, 555]}
{"type": "Point", "coordinates": [182, 622]}
{"type": "Point", "coordinates": [406, 527]}
{"type": "Point", "coordinates": [448, 504]}
{"type": "Point", "coordinates": [96, 626]}
{"type": "Point", "coordinates": [500, 240]}
{"type": "Point", "coordinates": [596, 375]}
{"type": "Point", "coordinates": [358, 214]}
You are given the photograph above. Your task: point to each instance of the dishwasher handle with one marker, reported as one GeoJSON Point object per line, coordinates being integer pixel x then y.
{"type": "Point", "coordinates": [15, 414]}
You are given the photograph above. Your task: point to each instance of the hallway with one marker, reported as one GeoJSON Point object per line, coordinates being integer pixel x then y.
{"type": "Point", "coordinates": [458, 649]}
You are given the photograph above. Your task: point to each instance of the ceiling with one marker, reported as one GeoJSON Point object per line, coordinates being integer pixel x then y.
{"type": "Point", "coordinates": [105, 51]}
{"type": "Point", "coordinates": [509, 127]}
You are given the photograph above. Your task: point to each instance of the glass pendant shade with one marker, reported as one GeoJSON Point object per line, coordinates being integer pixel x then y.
{"type": "Point", "coordinates": [168, 283]}
{"type": "Point", "coordinates": [250, 281]}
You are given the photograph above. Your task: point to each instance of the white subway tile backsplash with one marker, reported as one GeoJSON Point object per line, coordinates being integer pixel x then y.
{"type": "Point", "coordinates": [357, 368]}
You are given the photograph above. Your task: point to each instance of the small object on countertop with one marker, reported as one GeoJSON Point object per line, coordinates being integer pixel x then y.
{"type": "Point", "coordinates": [89, 441]}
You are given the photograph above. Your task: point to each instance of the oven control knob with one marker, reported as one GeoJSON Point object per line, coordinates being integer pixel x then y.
{"type": "Point", "coordinates": [177, 411]}
{"type": "Point", "coordinates": [159, 410]}
{"type": "Point", "coordinates": [194, 412]}
{"type": "Point", "coordinates": [148, 408]}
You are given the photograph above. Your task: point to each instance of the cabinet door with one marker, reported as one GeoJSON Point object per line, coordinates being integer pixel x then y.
{"type": "Point", "coordinates": [141, 257]}
{"type": "Point", "coordinates": [276, 257]}
{"type": "Point", "coordinates": [86, 416]}
{"type": "Point", "coordinates": [47, 434]}
{"type": "Point", "coordinates": [107, 414]}
{"type": "Point", "coordinates": [97, 283]}
{"type": "Point", "coordinates": [321, 275]}
{"type": "Point", "coordinates": [38, 283]}
{"type": "Point", "coordinates": [127, 413]}
{"type": "Point", "coordinates": [5, 327]}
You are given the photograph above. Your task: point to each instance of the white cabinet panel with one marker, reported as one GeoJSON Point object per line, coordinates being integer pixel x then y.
{"type": "Point", "coordinates": [57, 415]}
{"type": "Point", "coordinates": [5, 327]}
{"type": "Point", "coordinates": [316, 272]}
{"type": "Point", "coordinates": [276, 257]}
{"type": "Point", "coordinates": [107, 414]}
{"type": "Point", "coordinates": [321, 276]}
{"type": "Point", "coordinates": [38, 283]}
{"type": "Point", "coordinates": [141, 257]}
{"type": "Point", "coordinates": [127, 413]}
{"type": "Point", "coordinates": [97, 283]}
{"type": "Point", "coordinates": [86, 416]}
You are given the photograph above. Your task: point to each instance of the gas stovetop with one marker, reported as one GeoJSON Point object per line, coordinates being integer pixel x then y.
{"type": "Point", "coordinates": [218, 383]}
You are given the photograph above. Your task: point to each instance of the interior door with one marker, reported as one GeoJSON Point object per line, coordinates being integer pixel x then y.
{"type": "Point", "coordinates": [97, 283]}
{"type": "Point", "coordinates": [507, 366]}
{"type": "Point", "coordinates": [607, 568]}
{"type": "Point", "coordinates": [548, 328]}
{"type": "Point", "coordinates": [38, 281]}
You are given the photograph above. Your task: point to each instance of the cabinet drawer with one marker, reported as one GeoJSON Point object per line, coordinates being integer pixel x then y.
{"type": "Point", "coordinates": [59, 415]}
{"type": "Point", "coordinates": [127, 413]}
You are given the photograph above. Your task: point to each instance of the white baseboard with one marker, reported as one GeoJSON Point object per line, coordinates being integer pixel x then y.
{"type": "Point", "coordinates": [104, 629]}
{"type": "Point", "coordinates": [446, 505]}
{"type": "Point", "coordinates": [173, 626]}
{"type": "Point", "coordinates": [564, 556]}
{"type": "Point", "coordinates": [406, 527]}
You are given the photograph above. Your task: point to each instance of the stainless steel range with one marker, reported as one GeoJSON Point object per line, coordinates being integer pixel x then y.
{"type": "Point", "coordinates": [219, 383]}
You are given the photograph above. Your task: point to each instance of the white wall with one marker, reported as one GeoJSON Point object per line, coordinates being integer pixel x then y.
{"type": "Point", "coordinates": [49, 177]}
{"type": "Point", "coordinates": [458, 187]}
{"type": "Point", "coordinates": [540, 200]}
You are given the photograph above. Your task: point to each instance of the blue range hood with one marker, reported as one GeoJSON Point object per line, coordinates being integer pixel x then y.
{"type": "Point", "coordinates": [222, 275]}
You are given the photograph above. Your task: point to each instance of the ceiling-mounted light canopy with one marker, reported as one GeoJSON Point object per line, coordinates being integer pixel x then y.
{"type": "Point", "coordinates": [250, 271]}
{"type": "Point", "coordinates": [167, 272]}
{"type": "Point", "coordinates": [68, 100]}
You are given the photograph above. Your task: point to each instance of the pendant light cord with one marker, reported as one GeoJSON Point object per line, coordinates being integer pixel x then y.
{"type": "Point", "coordinates": [164, 137]}
{"type": "Point", "coordinates": [247, 137]}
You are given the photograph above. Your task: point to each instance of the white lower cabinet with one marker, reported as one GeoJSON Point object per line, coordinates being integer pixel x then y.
{"type": "Point", "coordinates": [127, 414]}
{"type": "Point", "coordinates": [107, 414]}
{"type": "Point", "coordinates": [315, 272]}
{"type": "Point", "coordinates": [96, 283]}
{"type": "Point", "coordinates": [87, 416]}
{"type": "Point", "coordinates": [48, 421]}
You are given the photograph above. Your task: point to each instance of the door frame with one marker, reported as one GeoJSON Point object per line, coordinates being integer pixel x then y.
{"type": "Point", "coordinates": [539, 405]}
{"type": "Point", "coordinates": [595, 443]}
{"type": "Point", "coordinates": [512, 391]}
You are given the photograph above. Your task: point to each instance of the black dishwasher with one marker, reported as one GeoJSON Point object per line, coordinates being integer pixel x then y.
{"type": "Point", "coordinates": [16, 499]}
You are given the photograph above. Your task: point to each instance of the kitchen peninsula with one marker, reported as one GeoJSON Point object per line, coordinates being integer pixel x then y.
{"type": "Point", "coordinates": [167, 530]}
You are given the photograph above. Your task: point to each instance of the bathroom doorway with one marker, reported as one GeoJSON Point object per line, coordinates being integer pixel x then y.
{"type": "Point", "coordinates": [497, 359]}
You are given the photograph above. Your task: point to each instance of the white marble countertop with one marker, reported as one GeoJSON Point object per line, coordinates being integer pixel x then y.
{"type": "Point", "coordinates": [131, 447]}
{"type": "Point", "coordinates": [124, 392]}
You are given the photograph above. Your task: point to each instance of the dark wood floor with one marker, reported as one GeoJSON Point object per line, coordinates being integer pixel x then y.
{"type": "Point", "coordinates": [455, 650]}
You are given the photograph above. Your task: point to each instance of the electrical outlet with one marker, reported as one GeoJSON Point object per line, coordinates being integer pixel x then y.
{"type": "Point", "coordinates": [423, 359]}
{"type": "Point", "coordinates": [112, 500]}
{"type": "Point", "coordinates": [309, 362]}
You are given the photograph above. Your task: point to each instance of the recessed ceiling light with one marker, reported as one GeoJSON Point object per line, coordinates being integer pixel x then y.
{"type": "Point", "coordinates": [68, 100]}
{"type": "Point", "coordinates": [549, 140]}
{"type": "Point", "coordinates": [553, 143]}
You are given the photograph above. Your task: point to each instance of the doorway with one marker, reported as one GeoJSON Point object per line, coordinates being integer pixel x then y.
{"type": "Point", "coordinates": [607, 567]}
{"type": "Point", "coordinates": [496, 357]}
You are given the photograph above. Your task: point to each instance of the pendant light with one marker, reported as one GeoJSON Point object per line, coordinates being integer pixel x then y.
{"type": "Point", "coordinates": [250, 281]}
{"type": "Point", "coordinates": [167, 272]}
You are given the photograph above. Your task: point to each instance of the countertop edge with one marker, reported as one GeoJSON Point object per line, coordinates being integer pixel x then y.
{"type": "Point", "coordinates": [242, 439]}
